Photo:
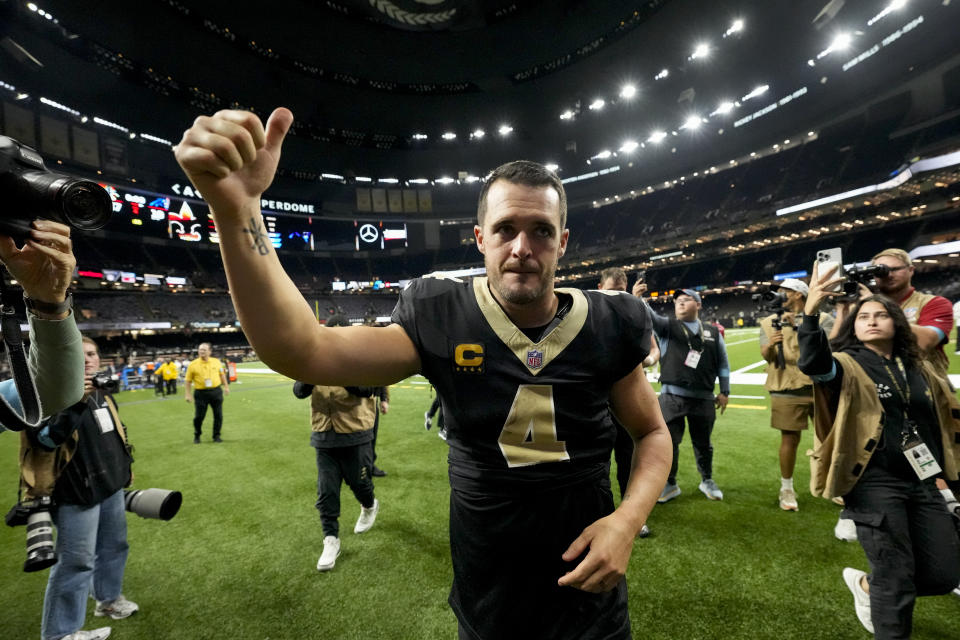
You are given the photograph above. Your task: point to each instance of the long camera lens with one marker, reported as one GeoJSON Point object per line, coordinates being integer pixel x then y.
{"type": "Point", "coordinates": [40, 550]}
{"type": "Point", "coordinates": [159, 504]}
{"type": "Point", "coordinates": [81, 204]}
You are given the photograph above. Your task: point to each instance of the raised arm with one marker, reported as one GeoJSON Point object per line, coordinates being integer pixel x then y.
{"type": "Point", "coordinates": [231, 159]}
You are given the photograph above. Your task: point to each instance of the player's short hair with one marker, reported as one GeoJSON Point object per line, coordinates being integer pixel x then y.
{"type": "Point", "coordinates": [528, 174]}
{"type": "Point", "coordinates": [613, 273]}
{"type": "Point", "coordinates": [899, 254]}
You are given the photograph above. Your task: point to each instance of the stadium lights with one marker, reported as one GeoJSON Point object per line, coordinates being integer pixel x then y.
{"type": "Point", "coordinates": [331, 176]}
{"type": "Point", "coordinates": [505, 130]}
{"type": "Point", "coordinates": [449, 135]}
{"type": "Point", "coordinates": [472, 179]}
{"type": "Point", "coordinates": [896, 5]}
{"type": "Point", "coordinates": [628, 91]}
{"type": "Point", "coordinates": [147, 136]}
{"type": "Point", "coordinates": [107, 123]}
{"type": "Point", "coordinates": [57, 105]}
{"type": "Point", "coordinates": [551, 167]}
{"type": "Point", "coordinates": [567, 115]}
{"type": "Point", "coordinates": [759, 91]}
{"type": "Point", "coordinates": [445, 180]}
{"type": "Point", "coordinates": [724, 108]}
{"type": "Point", "coordinates": [478, 134]}
{"type": "Point", "coordinates": [597, 104]}
{"type": "Point", "coordinates": [736, 27]}
{"type": "Point", "coordinates": [419, 181]}
{"type": "Point", "coordinates": [388, 180]}
{"type": "Point", "coordinates": [8, 87]}
{"type": "Point", "coordinates": [702, 50]}
{"type": "Point", "coordinates": [692, 122]}
{"type": "Point", "coordinates": [629, 146]}
{"type": "Point", "coordinates": [657, 136]}
{"type": "Point", "coordinates": [840, 43]}
{"type": "Point", "coordinates": [22, 96]}
{"type": "Point", "coordinates": [363, 179]}
{"type": "Point", "coordinates": [419, 136]}
{"type": "Point", "coordinates": [603, 155]}
{"type": "Point", "coordinates": [663, 74]}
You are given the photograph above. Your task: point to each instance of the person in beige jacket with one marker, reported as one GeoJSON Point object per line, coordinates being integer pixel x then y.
{"type": "Point", "coordinates": [887, 426]}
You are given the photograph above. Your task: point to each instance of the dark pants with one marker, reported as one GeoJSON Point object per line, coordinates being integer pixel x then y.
{"type": "Point", "coordinates": [342, 464]}
{"type": "Point", "coordinates": [171, 386]}
{"type": "Point", "coordinates": [202, 398]}
{"type": "Point", "coordinates": [911, 544]}
{"type": "Point", "coordinates": [700, 415]}
{"type": "Point", "coordinates": [623, 456]}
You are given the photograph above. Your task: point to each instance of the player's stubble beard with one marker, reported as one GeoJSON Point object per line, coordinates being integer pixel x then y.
{"type": "Point", "coordinates": [523, 294]}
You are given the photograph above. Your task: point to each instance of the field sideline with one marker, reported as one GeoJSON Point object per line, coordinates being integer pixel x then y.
{"type": "Point", "coordinates": [238, 562]}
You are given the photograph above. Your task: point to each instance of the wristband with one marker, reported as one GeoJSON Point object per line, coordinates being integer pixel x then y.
{"type": "Point", "coordinates": [52, 308]}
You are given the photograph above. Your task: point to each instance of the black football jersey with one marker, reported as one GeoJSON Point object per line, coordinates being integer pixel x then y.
{"type": "Point", "coordinates": [520, 413]}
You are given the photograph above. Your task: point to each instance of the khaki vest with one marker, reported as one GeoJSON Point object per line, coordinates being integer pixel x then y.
{"type": "Point", "coordinates": [40, 468]}
{"type": "Point", "coordinates": [848, 428]}
{"type": "Point", "coordinates": [791, 377]}
{"type": "Point", "coordinates": [912, 307]}
{"type": "Point", "coordinates": [336, 409]}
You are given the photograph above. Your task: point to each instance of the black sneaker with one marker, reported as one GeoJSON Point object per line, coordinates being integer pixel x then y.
{"type": "Point", "coordinates": [196, 440]}
{"type": "Point", "coordinates": [378, 472]}
{"type": "Point", "coordinates": [217, 439]}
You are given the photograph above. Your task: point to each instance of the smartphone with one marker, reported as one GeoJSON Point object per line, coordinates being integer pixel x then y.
{"type": "Point", "coordinates": [828, 258]}
{"type": "Point", "coordinates": [641, 276]}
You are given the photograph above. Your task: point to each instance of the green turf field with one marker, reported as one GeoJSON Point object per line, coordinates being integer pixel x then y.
{"type": "Point", "coordinates": [239, 560]}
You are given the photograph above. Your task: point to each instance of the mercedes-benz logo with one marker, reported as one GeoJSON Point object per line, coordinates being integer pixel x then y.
{"type": "Point", "coordinates": [369, 233]}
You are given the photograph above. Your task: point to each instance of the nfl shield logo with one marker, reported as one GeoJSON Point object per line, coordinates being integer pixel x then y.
{"type": "Point", "coordinates": [534, 359]}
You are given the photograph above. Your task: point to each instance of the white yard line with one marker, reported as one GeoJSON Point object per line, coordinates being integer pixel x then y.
{"type": "Point", "coordinates": [750, 366]}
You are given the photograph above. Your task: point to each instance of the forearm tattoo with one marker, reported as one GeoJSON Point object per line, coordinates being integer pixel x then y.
{"type": "Point", "coordinates": [260, 239]}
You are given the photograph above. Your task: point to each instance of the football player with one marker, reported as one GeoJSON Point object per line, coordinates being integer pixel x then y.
{"type": "Point", "coordinates": [525, 371]}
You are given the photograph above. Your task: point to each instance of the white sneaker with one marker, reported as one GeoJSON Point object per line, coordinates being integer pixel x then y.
{"type": "Point", "coordinates": [94, 634]}
{"type": "Point", "coordinates": [788, 500]}
{"type": "Point", "coordinates": [711, 490]}
{"type": "Point", "coordinates": [861, 599]}
{"type": "Point", "coordinates": [669, 492]}
{"type": "Point", "coordinates": [846, 529]}
{"type": "Point", "coordinates": [117, 609]}
{"type": "Point", "coordinates": [331, 551]}
{"type": "Point", "coordinates": [367, 517]}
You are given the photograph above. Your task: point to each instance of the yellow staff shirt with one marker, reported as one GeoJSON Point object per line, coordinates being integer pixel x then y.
{"type": "Point", "coordinates": [169, 371]}
{"type": "Point", "coordinates": [204, 375]}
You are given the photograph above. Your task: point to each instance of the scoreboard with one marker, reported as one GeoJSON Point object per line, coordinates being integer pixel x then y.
{"type": "Point", "coordinates": [182, 216]}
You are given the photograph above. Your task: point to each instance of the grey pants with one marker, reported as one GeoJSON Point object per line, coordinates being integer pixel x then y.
{"type": "Point", "coordinates": [911, 544]}
{"type": "Point", "coordinates": [350, 464]}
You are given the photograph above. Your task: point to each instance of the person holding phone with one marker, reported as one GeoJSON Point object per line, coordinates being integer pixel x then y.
{"type": "Point", "coordinates": [886, 428]}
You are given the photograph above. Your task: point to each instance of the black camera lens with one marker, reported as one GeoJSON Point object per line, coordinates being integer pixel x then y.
{"type": "Point", "coordinates": [86, 205]}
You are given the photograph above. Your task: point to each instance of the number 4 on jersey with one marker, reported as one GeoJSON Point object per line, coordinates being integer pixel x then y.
{"type": "Point", "coordinates": [529, 435]}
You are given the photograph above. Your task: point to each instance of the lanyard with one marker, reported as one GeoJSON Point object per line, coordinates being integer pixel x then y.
{"type": "Point", "coordinates": [904, 396]}
{"type": "Point", "coordinates": [687, 333]}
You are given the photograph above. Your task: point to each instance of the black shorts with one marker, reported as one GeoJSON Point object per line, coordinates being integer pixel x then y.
{"type": "Point", "coordinates": [506, 563]}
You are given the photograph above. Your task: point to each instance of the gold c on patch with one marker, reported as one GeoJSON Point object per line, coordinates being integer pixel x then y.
{"type": "Point", "coordinates": [468, 358]}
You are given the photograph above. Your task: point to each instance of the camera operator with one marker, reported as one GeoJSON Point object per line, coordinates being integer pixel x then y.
{"type": "Point", "coordinates": [930, 316]}
{"type": "Point", "coordinates": [887, 427]}
{"type": "Point", "coordinates": [692, 358]}
{"type": "Point", "coordinates": [91, 460]}
{"type": "Point", "coordinates": [44, 268]}
{"type": "Point", "coordinates": [791, 392]}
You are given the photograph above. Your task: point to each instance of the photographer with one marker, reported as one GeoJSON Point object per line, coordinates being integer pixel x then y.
{"type": "Point", "coordinates": [692, 358]}
{"type": "Point", "coordinates": [886, 428]}
{"type": "Point", "coordinates": [44, 268]}
{"type": "Point", "coordinates": [88, 446]}
{"type": "Point", "coordinates": [791, 392]}
{"type": "Point", "coordinates": [343, 420]}
{"type": "Point", "coordinates": [930, 316]}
